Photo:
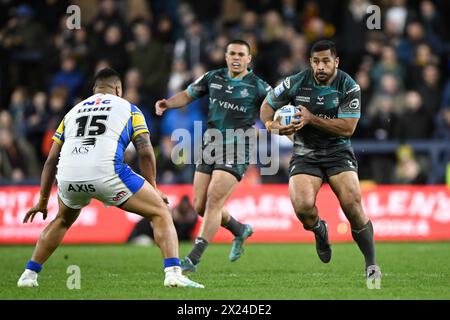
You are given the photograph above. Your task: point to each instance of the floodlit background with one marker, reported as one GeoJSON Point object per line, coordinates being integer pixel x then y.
{"type": "Point", "coordinates": [159, 47]}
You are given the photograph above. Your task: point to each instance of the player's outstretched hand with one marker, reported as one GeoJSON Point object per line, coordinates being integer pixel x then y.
{"type": "Point", "coordinates": [32, 212]}
{"type": "Point", "coordinates": [160, 106]}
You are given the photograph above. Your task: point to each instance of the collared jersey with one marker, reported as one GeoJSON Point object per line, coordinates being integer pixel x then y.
{"type": "Point", "coordinates": [233, 103]}
{"type": "Point", "coordinates": [95, 134]}
{"type": "Point", "coordinates": [341, 99]}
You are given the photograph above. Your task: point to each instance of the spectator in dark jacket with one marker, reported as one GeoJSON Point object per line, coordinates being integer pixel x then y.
{"type": "Point", "coordinates": [443, 125]}
{"type": "Point", "coordinates": [416, 122]}
{"type": "Point", "coordinates": [147, 55]}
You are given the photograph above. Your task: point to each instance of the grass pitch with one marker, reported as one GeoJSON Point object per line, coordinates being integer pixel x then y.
{"type": "Point", "coordinates": [265, 271]}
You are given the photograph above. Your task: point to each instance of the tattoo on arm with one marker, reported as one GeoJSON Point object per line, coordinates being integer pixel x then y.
{"type": "Point", "coordinates": [147, 161]}
{"type": "Point", "coordinates": [141, 141]}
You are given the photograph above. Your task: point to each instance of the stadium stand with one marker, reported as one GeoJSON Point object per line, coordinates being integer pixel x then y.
{"type": "Point", "coordinates": [159, 46]}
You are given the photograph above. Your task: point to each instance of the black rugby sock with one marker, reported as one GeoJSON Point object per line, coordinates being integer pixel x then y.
{"type": "Point", "coordinates": [235, 227]}
{"type": "Point", "coordinates": [364, 239]}
{"type": "Point", "coordinates": [318, 229]}
{"type": "Point", "coordinates": [197, 251]}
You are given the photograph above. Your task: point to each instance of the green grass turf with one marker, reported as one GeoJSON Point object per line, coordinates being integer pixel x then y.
{"type": "Point", "coordinates": [265, 271]}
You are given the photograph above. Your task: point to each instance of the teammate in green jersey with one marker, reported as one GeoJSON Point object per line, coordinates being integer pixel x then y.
{"type": "Point", "coordinates": [235, 96]}
{"type": "Point", "coordinates": [329, 103]}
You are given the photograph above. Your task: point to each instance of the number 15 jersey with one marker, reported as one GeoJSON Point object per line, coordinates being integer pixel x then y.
{"type": "Point", "coordinates": [95, 134]}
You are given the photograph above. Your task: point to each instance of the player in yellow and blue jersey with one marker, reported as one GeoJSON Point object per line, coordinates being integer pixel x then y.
{"type": "Point", "coordinates": [89, 144]}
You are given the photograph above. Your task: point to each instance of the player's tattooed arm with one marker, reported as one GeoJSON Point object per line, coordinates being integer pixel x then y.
{"type": "Point", "coordinates": [142, 141]}
{"type": "Point", "coordinates": [146, 157]}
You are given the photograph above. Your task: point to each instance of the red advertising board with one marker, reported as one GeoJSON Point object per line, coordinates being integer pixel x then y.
{"type": "Point", "coordinates": [398, 213]}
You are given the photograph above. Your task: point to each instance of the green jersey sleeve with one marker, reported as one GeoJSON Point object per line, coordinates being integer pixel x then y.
{"type": "Point", "coordinates": [350, 106]}
{"type": "Point", "coordinates": [199, 87]}
{"type": "Point", "coordinates": [263, 89]}
{"type": "Point", "coordinates": [279, 96]}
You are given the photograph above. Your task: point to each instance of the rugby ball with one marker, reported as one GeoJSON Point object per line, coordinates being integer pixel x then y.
{"type": "Point", "coordinates": [286, 114]}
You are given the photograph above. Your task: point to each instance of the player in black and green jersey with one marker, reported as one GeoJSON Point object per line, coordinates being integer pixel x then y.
{"type": "Point", "coordinates": [329, 102]}
{"type": "Point", "coordinates": [235, 96]}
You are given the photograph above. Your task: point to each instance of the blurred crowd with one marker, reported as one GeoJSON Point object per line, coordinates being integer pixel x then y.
{"type": "Point", "coordinates": [160, 46]}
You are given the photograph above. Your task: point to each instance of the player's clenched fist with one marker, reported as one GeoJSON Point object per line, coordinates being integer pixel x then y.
{"type": "Point", "coordinates": [304, 117]}
{"type": "Point", "coordinates": [161, 106]}
{"type": "Point", "coordinates": [279, 128]}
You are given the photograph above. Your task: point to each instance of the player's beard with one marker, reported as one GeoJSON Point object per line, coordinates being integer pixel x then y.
{"type": "Point", "coordinates": [322, 77]}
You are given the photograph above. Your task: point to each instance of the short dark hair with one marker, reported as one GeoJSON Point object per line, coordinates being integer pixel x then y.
{"type": "Point", "coordinates": [106, 75]}
{"type": "Point", "coordinates": [324, 45]}
{"type": "Point", "coordinates": [238, 41]}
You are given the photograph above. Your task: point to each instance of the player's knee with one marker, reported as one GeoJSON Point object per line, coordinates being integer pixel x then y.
{"type": "Point", "coordinates": [304, 208]}
{"type": "Point", "coordinates": [351, 205]}
{"type": "Point", "coordinates": [214, 199]}
{"type": "Point", "coordinates": [164, 211]}
{"type": "Point", "coordinates": [351, 201]}
{"type": "Point", "coordinates": [163, 215]}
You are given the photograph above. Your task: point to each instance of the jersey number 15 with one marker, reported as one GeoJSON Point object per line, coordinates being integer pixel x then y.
{"type": "Point", "coordinates": [96, 125]}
